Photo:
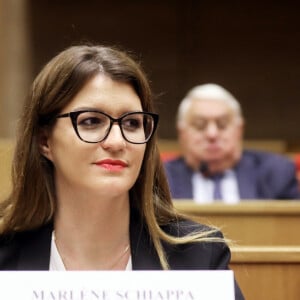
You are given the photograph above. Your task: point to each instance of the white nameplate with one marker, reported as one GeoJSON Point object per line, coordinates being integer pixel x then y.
{"type": "Point", "coordinates": [116, 285]}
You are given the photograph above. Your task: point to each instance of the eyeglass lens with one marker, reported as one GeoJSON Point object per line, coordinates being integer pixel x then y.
{"type": "Point", "coordinates": [95, 126]}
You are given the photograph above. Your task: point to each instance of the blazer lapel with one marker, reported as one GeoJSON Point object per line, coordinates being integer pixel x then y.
{"type": "Point", "coordinates": [143, 254]}
{"type": "Point", "coordinates": [246, 176]}
{"type": "Point", "coordinates": [35, 249]}
{"type": "Point", "coordinates": [183, 185]}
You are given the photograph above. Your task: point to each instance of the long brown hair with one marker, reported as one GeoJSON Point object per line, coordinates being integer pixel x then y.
{"type": "Point", "coordinates": [32, 201]}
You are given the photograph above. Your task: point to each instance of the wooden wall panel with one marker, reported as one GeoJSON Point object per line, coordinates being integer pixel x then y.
{"type": "Point", "coordinates": [260, 222]}
{"type": "Point", "coordinates": [251, 48]}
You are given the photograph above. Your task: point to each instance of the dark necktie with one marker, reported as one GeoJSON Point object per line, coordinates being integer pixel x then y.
{"type": "Point", "coordinates": [217, 194]}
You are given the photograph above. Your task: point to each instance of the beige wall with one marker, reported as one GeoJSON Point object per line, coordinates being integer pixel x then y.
{"type": "Point", "coordinates": [15, 62]}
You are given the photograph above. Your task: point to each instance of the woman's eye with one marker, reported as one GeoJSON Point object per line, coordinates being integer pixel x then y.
{"type": "Point", "coordinates": [89, 122]}
{"type": "Point", "coordinates": [131, 123]}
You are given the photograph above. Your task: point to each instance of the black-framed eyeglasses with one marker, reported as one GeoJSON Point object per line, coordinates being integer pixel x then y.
{"type": "Point", "coordinates": [93, 126]}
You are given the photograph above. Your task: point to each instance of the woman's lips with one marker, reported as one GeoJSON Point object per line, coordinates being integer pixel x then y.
{"type": "Point", "coordinates": [112, 164]}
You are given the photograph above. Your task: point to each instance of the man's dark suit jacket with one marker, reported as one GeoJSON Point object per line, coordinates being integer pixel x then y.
{"type": "Point", "coordinates": [31, 250]}
{"type": "Point", "coordinates": [260, 175]}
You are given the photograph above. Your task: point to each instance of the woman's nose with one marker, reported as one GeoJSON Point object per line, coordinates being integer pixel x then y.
{"type": "Point", "coordinates": [115, 138]}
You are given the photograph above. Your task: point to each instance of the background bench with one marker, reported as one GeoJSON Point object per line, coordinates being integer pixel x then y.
{"type": "Point", "coordinates": [265, 273]}
{"type": "Point", "coordinates": [252, 222]}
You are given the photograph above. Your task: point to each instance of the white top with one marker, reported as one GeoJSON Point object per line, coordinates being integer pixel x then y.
{"type": "Point", "coordinates": [203, 188]}
{"type": "Point", "coordinates": [56, 262]}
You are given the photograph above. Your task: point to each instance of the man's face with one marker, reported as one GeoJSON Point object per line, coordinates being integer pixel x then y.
{"type": "Point", "coordinates": [212, 132]}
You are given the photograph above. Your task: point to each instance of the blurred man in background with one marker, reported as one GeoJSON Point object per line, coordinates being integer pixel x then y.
{"type": "Point", "coordinates": [214, 166]}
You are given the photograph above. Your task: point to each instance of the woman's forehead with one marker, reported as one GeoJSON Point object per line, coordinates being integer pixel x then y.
{"type": "Point", "coordinates": [103, 93]}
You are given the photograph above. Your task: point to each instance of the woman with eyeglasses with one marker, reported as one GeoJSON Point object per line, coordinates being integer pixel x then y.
{"type": "Point", "coordinates": [89, 190]}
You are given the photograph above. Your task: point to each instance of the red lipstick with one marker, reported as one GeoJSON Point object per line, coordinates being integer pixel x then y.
{"type": "Point", "coordinates": [112, 164]}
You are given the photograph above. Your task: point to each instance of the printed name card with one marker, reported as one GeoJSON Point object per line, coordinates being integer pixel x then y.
{"type": "Point", "coordinates": [117, 285]}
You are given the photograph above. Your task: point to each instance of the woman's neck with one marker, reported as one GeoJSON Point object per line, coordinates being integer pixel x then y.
{"type": "Point", "coordinates": [93, 234]}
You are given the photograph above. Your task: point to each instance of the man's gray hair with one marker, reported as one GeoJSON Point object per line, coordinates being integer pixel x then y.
{"type": "Point", "coordinates": [210, 92]}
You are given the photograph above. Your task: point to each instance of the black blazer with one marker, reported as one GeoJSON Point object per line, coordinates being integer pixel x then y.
{"type": "Point", "coordinates": [31, 250]}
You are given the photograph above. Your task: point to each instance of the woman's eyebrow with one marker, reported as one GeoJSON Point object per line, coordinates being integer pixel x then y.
{"type": "Point", "coordinates": [86, 108]}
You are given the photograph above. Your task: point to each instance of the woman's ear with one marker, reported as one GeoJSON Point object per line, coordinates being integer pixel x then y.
{"type": "Point", "coordinates": [43, 143]}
